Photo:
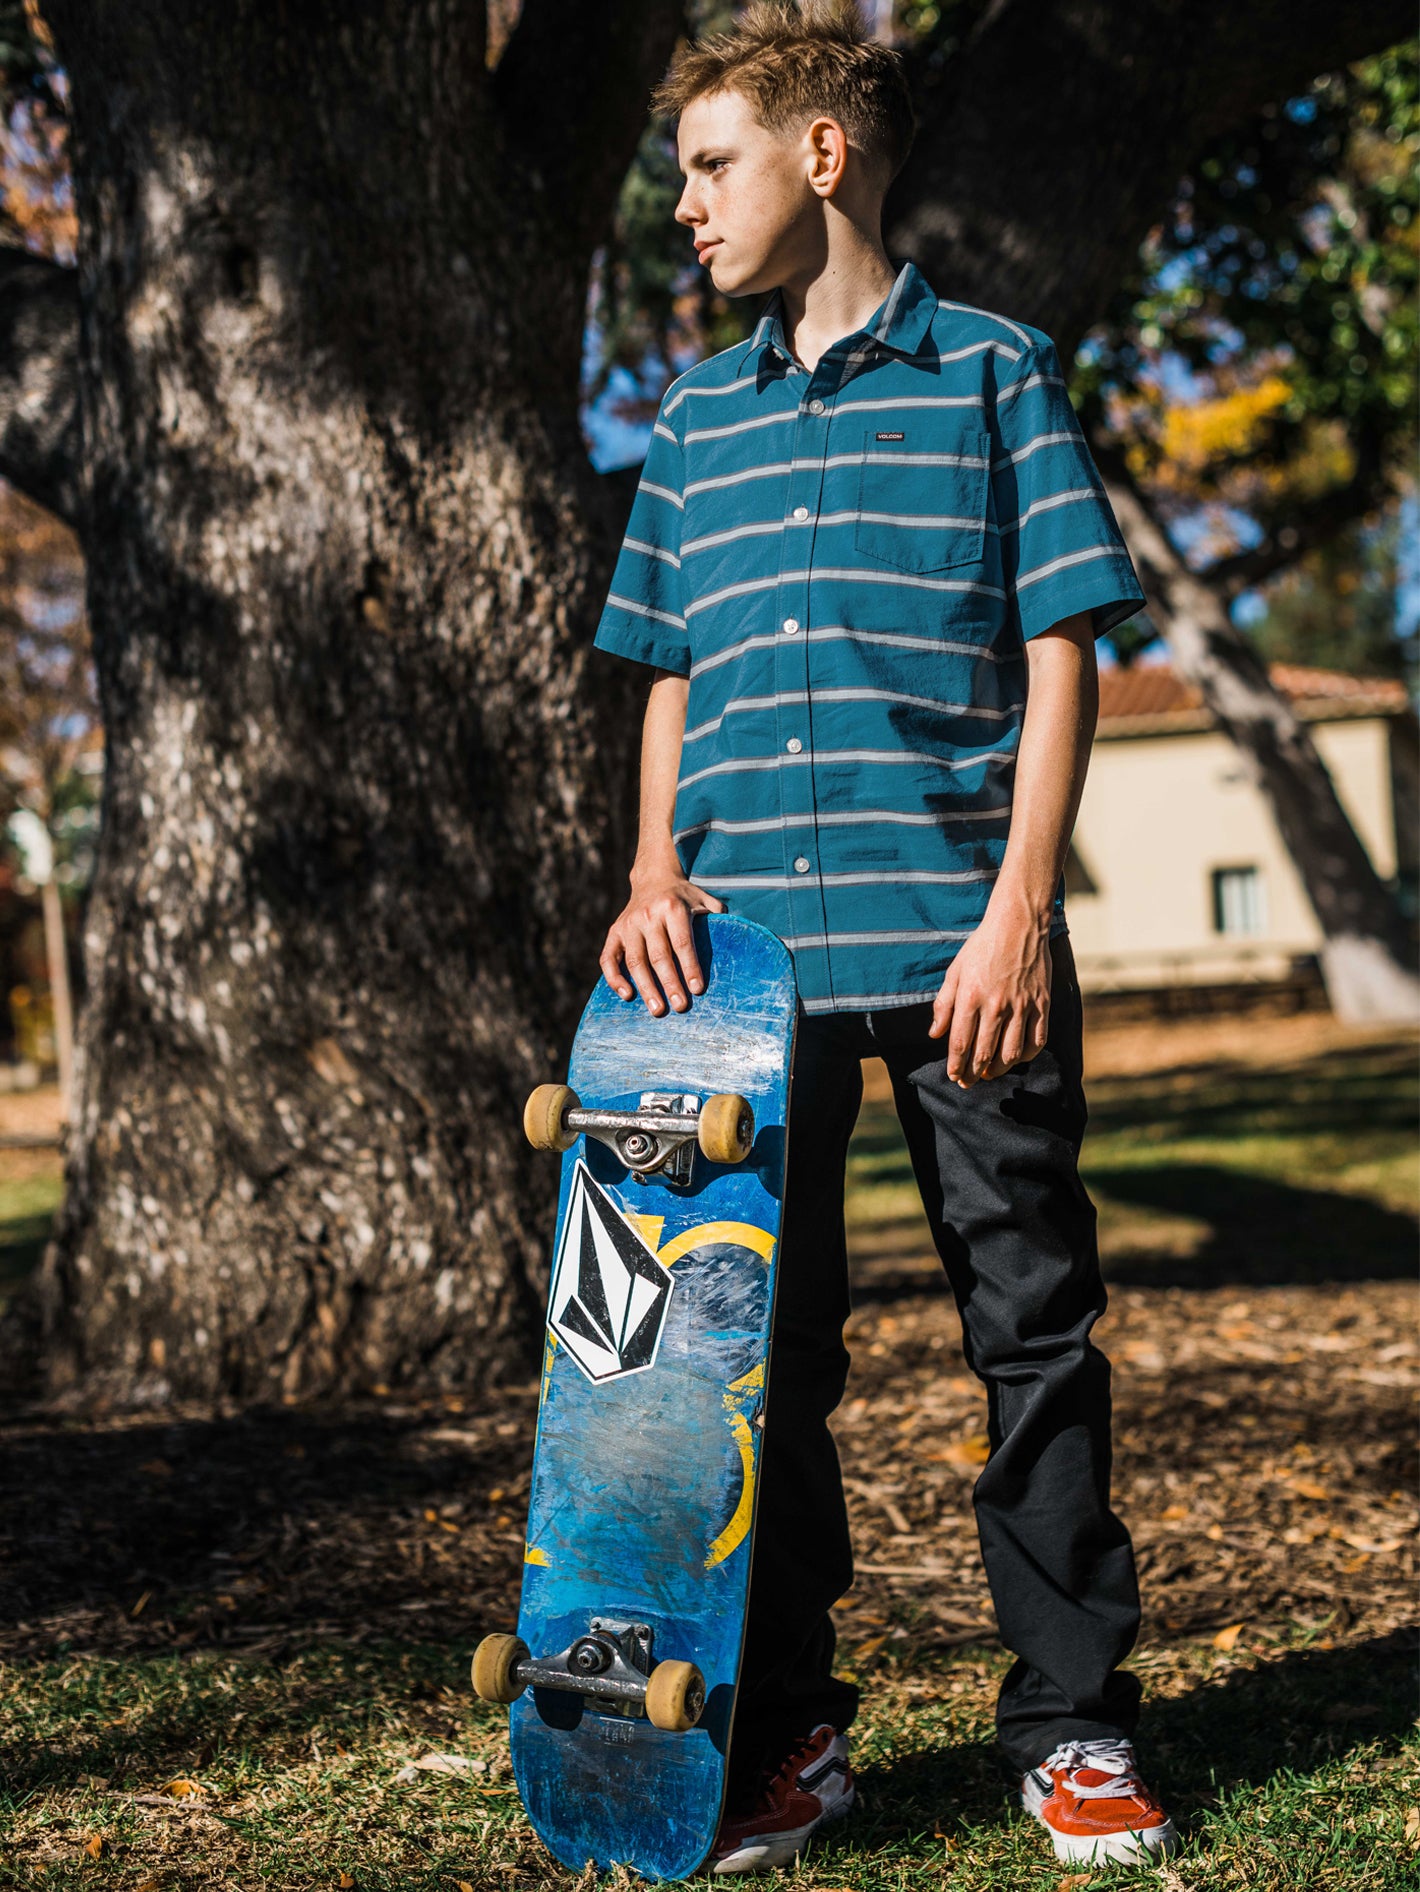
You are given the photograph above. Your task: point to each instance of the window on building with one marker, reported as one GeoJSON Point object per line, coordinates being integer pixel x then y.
{"type": "Point", "coordinates": [1238, 903]}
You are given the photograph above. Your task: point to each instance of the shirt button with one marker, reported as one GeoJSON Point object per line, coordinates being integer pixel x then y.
{"type": "Point", "coordinates": [793, 745]}
{"type": "Point", "coordinates": [815, 407]}
{"type": "Point", "coordinates": [801, 512]}
{"type": "Point", "coordinates": [801, 866]}
{"type": "Point", "coordinates": [791, 625]}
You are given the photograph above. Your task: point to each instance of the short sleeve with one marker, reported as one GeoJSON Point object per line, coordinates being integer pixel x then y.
{"type": "Point", "coordinates": [644, 618]}
{"type": "Point", "coordinates": [1061, 547]}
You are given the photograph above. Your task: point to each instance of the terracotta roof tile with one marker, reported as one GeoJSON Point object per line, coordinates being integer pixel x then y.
{"type": "Point", "coordinates": [1146, 697]}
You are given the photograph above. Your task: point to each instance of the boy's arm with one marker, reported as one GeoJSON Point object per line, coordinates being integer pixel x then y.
{"type": "Point", "coordinates": [651, 938]}
{"type": "Point", "coordinates": [994, 1002]}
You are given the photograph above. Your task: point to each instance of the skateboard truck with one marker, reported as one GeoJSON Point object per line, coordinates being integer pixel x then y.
{"type": "Point", "coordinates": [611, 1666]}
{"type": "Point", "coordinates": [658, 1138]}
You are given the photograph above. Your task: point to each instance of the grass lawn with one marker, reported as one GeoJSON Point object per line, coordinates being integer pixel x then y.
{"type": "Point", "coordinates": [1286, 1761]}
{"type": "Point", "coordinates": [226, 1639]}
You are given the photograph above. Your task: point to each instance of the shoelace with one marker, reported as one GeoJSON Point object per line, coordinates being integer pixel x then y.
{"type": "Point", "coordinates": [771, 1777]}
{"type": "Point", "coordinates": [1115, 1758]}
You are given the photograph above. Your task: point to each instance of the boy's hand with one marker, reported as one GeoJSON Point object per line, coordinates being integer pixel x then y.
{"type": "Point", "coordinates": [650, 940]}
{"type": "Point", "coordinates": [994, 1003]}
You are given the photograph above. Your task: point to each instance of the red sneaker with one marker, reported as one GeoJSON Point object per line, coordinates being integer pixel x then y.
{"type": "Point", "coordinates": [1089, 1798]}
{"type": "Point", "coordinates": [812, 1785]}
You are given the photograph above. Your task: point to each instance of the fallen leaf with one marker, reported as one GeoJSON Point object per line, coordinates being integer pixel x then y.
{"type": "Point", "coordinates": [1228, 1638]}
{"type": "Point", "coordinates": [1171, 1513]}
{"type": "Point", "coordinates": [869, 1648]}
{"type": "Point", "coordinates": [94, 1845]}
{"type": "Point", "coordinates": [147, 1885]}
{"type": "Point", "coordinates": [1412, 1824]}
{"type": "Point", "coordinates": [1072, 1881]}
{"type": "Point", "coordinates": [329, 1061]}
{"type": "Point", "coordinates": [964, 1452]}
{"type": "Point", "coordinates": [1309, 1488]}
{"type": "Point", "coordinates": [463, 1885]}
{"type": "Point", "coordinates": [440, 1764]}
{"type": "Point", "coordinates": [183, 1789]}
{"type": "Point", "coordinates": [142, 1603]}
{"type": "Point", "coordinates": [347, 1879]}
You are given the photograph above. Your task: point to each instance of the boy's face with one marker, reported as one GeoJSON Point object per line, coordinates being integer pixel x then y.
{"type": "Point", "coordinates": [757, 222]}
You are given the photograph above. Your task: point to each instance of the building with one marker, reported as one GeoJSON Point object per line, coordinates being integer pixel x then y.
{"type": "Point", "coordinates": [1177, 874]}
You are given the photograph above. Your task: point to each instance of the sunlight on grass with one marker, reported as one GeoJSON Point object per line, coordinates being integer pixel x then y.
{"type": "Point", "coordinates": [208, 1771]}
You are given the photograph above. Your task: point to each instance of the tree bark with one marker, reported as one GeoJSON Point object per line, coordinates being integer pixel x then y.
{"type": "Point", "coordinates": [345, 554]}
{"type": "Point", "coordinates": [1367, 961]}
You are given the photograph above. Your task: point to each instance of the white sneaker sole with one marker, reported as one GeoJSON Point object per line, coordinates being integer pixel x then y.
{"type": "Point", "coordinates": [1128, 1848]}
{"type": "Point", "coordinates": [781, 1849]}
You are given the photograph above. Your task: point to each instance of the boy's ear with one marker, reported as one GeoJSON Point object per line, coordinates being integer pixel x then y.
{"type": "Point", "coordinates": [826, 144]}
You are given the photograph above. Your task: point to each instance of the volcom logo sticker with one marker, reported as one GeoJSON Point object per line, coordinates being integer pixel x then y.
{"type": "Point", "coordinates": [609, 1292]}
{"type": "Point", "coordinates": [897, 436]}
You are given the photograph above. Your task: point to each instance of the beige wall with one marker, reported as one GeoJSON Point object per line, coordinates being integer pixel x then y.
{"type": "Point", "coordinates": [1161, 812]}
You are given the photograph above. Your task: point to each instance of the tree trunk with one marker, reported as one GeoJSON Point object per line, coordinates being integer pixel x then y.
{"type": "Point", "coordinates": [345, 556]}
{"type": "Point", "coordinates": [345, 553]}
{"type": "Point", "coordinates": [1366, 958]}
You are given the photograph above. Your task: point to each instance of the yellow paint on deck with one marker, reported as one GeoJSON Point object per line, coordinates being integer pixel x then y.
{"type": "Point", "coordinates": [532, 1555]}
{"type": "Point", "coordinates": [750, 1382]}
{"type": "Point", "coordinates": [548, 1352]}
{"type": "Point", "coordinates": [735, 1531]}
{"type": "Point", "coordinates": [743, 1234]}
{"type": "Point", "coordinates": [648, 1227]}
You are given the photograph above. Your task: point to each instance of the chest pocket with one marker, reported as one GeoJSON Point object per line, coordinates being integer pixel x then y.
{"type": "Point", "coordinates": [923, 501]}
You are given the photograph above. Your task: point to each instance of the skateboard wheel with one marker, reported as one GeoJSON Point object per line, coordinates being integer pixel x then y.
{"type": "Point", "coordinates": [494, 1661]}
{"type": "Point", "coordinates": [726, 1128]}
{"type": "Point", "coordinates": [544, 1114]}
{"type": "Point", "coordinates": [675, 1696]}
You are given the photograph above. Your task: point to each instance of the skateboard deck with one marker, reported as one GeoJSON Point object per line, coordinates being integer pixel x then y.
{"type": "Point", "coordinates": [641, 1514]}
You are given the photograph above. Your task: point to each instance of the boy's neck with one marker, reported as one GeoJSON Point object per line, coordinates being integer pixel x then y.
{"type": "Point", "coordinates": [852, 281]}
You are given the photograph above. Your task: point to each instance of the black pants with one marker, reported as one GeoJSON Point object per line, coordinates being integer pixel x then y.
{"type": "Point", "coordinates": [996, 1166]}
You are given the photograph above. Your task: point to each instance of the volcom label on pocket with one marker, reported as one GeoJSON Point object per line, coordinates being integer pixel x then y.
{"type": "Point", "coordinates": [899, 436]}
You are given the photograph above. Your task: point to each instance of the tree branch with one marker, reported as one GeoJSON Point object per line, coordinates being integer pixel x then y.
{"type": "Point", "coordinates": [573, 87]}
{"type": "Point", "coordinates": [1304, 527]}
{"type": "Point", "coordinates": [1055, 137]}
{"type": "Point", "coordinates": [40, 451]}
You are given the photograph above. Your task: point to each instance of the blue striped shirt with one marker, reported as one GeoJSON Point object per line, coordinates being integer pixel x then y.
{"type": "Point", "coordinates": [847, 564]}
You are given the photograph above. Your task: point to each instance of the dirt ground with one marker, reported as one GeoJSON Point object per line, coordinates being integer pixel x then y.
{"type": "Point", "coordinates": [1265, 1465]}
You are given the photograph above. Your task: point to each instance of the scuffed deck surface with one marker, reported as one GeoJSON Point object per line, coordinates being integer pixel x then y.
{"type": "Point", "coordinates": [644, 1484]}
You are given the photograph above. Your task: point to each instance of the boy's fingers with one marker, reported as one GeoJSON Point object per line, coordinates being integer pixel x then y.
{"type": "Point", "coordinates": [683, 940]}
{"type": "Point", "coordinates": [988, 1037]}
{"type": "Point", "coordinates": [658, 951]}
{"type": "Point", "coordinates": [612, 970]}
{"type": "Point", "coordinates": [942, 1007]}
{"type": "Point", "coordinates": [1012, 1047]}
{"type": "Point", "coordinates": [706, 902]}
{"type": "Point", "coordinates": [961, 1044]}
{"type": "Point", "coordinates": [642, 976]}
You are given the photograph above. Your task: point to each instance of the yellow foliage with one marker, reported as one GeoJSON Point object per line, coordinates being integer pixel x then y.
{"type": "Point", "coordinates": [1204, 431]}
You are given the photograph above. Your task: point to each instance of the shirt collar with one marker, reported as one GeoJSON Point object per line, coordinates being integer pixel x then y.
{"type": "Point", "coordinates": [899, 324]}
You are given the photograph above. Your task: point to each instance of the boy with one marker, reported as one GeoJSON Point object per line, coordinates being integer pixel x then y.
{"type": "Point", "coordinates": [863, 541]}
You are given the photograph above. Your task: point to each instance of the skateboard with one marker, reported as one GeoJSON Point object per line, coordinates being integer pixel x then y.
{"type": "Point", "coordinates": [621, 1677]}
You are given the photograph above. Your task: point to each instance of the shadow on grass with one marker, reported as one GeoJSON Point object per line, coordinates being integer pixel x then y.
{"type": "Point", "coordinates": [131, 1535]}
{"type": "Point", "coordinates": [1261, 1232]}
{"type": "Point", "coordinates": [133, 1724]}
{"type": "Point", "coordinates": [1351, 1087]}
{"type": "Point", "coordinates": [1294, 1714]}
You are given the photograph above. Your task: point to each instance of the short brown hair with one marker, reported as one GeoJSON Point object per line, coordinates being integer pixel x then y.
{"type": "Point", "coordinates": [793, 62]}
